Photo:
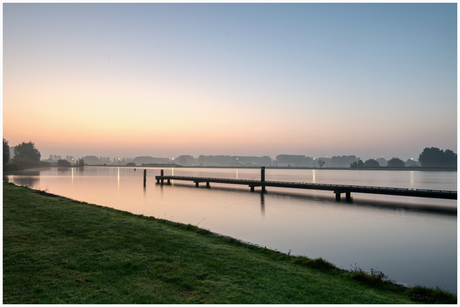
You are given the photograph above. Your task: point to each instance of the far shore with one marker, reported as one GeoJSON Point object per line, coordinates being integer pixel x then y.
{"type": "Point", "coordinates": [382, 168]}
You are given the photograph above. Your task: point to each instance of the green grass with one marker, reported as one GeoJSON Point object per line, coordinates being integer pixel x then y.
{"type": "Point", "coordinates": [56, 250]}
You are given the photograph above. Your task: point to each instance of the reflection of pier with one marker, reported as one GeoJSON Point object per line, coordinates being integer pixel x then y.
{"type": "Point", "coordinates": [337, 189]}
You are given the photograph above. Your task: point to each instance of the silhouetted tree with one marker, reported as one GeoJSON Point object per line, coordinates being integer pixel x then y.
{"type": "Point", "coordinates": [81, 163]}
{"type": "Point", "coordinates": [382, 161]}
{"type": "Point", "coordinates": [6, 152]}
{"type": "Point", "coordinates": [396, 162]}
{"type": "Point", "coordinates": [91, 160]}
{"type": "Point", "coordinates": [27, 151]}
{"type": "Point", "coordinates": [450, 158]}
{"type": "Point", "coordinates": [63, 163]}
{"type": "Point", "coordinates": [321, 163]}
{"type": "Point", "coordinates": [412, 163]}
{"type": "Point", "coordinates": [357, 164]}
{"type": "Point", "coordinates": [435, 157]}
{"type": "Point", "coordinates": [371, 163]}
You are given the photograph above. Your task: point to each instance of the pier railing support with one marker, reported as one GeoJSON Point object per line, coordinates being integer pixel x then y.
{"type": "Point", "coordinates": [347, 195]}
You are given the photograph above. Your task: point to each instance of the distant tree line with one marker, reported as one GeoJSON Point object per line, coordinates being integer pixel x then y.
{"type": "Point", "coordinates": [430, 157]}
{"type": "Point", "coordinates": [435, 157]}
{"type": "Point", "coordinates": [222, 160]}
{"type": "Point", "coordinates": [66, 163]}
{"type": "Point", "coordinates": [26, 155]}
{"type": "Point", "coordinates": [371, 163]}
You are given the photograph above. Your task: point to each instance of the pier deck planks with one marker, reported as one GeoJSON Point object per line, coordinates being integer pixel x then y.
{"type": "Point", "coordinates": [337, 189]}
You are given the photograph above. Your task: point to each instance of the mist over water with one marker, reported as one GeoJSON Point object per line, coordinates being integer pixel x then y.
{"type": "Point", "coordinates": [401, 236]}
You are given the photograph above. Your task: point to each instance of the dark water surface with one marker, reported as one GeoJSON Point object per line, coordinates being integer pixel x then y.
{"type": "Point", "coordinates": [411, 240]}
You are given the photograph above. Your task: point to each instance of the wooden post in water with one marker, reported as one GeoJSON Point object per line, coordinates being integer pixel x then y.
{"type": "Point", "coordinates": [337, 196]}
{"type": "Point", "coordinates": [145, 176]}
{"type": "Point", "coordinates": [162, 174]}
{"type": "Point", "coordinates": [348, 196]}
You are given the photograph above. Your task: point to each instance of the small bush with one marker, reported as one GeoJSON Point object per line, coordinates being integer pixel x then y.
{"type": "Point", "coordinates": [374, 278]}
{"type": "Point", "coordinates": [322, 264]}
{"type": "Point", "coordinates": [432, 296]}
{"type": "Point", "coordinates": [63, 163]}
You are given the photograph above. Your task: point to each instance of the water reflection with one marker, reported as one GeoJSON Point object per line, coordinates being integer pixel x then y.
{"type": "Point", "coordinates": [262, 204]}
{"type": "Point", "coordinates": [118, 179]}
{"type": "Point", "coordinates": [29, 181]}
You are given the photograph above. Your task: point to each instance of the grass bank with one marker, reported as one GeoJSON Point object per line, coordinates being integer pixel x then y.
{"type": "Point", "coordinates": [56, 250]}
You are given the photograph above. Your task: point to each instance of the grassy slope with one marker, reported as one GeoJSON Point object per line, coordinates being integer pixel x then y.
{"type": "Point", "coordinates": [56, 250]}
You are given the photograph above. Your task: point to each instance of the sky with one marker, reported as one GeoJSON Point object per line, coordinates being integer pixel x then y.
{"type": "Point", "coordinates": [257, 79]}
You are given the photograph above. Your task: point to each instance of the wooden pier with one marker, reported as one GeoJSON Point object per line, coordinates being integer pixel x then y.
{"type": "Point", "coordinates": [337, 189]}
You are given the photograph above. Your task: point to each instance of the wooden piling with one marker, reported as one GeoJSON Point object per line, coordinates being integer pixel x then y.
{"type": "Point", "coordinates": [337, 196]}
{"type": "Point", "coordinates": [145, 177]}
{"type": "Point", "coordinates": [348, 196]}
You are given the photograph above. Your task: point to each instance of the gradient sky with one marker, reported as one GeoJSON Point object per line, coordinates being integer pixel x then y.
{"type": "Point", "coordinates": [239, 79]}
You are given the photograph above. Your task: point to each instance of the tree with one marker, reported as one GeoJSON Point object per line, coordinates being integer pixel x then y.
{"type": "Point", "coordinates": [6, 152]}
{"type": "Point", "coordinates": [450, 158]}
{"type": "Point", "coordinates": [81, 163]}
{"type": "Point", "coordinates": [63, 163]}
{"type": "Point", "coordinates": [396, 162]}
{"type": "Point", "coordinates": [435, 157]}
{"type": "Point", "coordinates": [357, 164]}
{"type": "Point", "coordinates": [382, 161]}
{"type": "Point", "coordinates": [371, 163]}
{"type": "Point", "coordinates": [321, 163]}
{"type": "Point", "coordinates": [27, 151]}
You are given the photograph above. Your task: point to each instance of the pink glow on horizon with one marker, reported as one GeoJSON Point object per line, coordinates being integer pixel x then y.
{"type": "Point", "coordinates": [333, 85]}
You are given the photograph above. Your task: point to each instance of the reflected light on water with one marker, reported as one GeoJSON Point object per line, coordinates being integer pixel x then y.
{"type": "Point", "coordinates": [313, 172]}
{"type": "Point", "coordinates": [118, 179]}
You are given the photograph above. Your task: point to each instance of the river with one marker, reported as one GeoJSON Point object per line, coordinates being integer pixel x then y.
{"type": "Point", "coordinates": [411, 240]}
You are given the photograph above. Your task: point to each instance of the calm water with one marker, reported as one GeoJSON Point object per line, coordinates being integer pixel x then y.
{"type": "Point", "coordinates": [396, 235]}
